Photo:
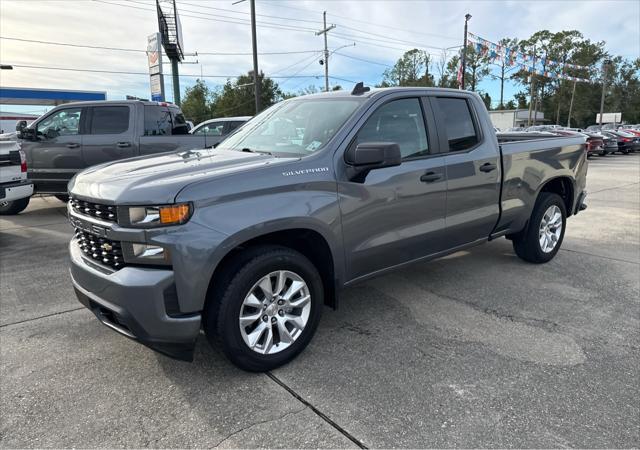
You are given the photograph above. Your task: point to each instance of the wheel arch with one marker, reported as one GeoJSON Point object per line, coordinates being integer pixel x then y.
{"type": "Point", "coordinates": [562, 185]}
{"type": "Point", "coordinates": [307, 238]}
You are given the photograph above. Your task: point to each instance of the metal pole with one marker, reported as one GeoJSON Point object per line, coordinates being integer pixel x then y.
{"type": "Point", "coordinates": [256, 74]}
{"type": "Point", "coordinates": [573, 93]}
{"type": "Point", "coordinates": [605, 66]}
{"type": "Point", "coordinates": [464, 50]}
{"type": "Point", "coordinates": [532, 81]}
{"type": "Point", "coordinates": [176, 81]}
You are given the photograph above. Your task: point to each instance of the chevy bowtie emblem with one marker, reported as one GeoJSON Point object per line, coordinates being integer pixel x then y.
{"type": "Point", "coordinates": [106, 247]}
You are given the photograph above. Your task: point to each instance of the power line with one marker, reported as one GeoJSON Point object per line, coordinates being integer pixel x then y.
{"type": "Point", "coordinates": [67, 44]}
{"type": "Point", "coordinates": [123, 72]}
{"type": "Point", "coordinates": [363, 60]}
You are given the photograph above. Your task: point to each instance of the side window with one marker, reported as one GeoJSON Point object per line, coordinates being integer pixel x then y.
{"type": "Point", "coordinates": [65, 122]}
{"type": "Point", "coordinates": [110, 119]}
{"type": "Point", "coordinates": [180, 125]}
{"type": "Point", "coordinates": [459, 124]}
{"type": "Point", "coordinates": [401, 122]}
{"type": "Point", "coordinates": [233, 125]}
{"type": "Point", "coordinates": [211, 129]}
{"type": "Point", "coordinates": [157, 121]}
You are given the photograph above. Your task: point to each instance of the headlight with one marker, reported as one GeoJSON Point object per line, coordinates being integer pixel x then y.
{"type": "Point", "coordinates": [155, 216]}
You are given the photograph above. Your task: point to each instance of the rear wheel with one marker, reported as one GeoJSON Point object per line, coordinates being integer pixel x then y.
{"type": "Point", "coordinates": [268, 312]}
{"type": "Point", "coordinates": [542, 238]}
{"type": "Point", "coordinates": [11, 208]}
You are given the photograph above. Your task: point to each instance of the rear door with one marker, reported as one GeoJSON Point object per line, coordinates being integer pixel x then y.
{"type": "Point", "coordinates": [56, 153]}
{"type": "Point", "coordinates": [164, 129]}
{"type": "Point", "coordinates": [110, 134]}
{"type": "Point", "coordinates": [473, 170]}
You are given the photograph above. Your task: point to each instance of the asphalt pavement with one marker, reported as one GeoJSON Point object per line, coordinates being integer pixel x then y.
{"type": "Point", "coordinates": [478, 349]}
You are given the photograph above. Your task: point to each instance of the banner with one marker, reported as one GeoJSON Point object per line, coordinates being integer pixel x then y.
{"type": "Point", "coordinates": [531, 63]}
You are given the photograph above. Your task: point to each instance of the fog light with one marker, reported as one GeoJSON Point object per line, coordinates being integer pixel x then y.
{"type": "Point", "coordinates": [152, 252]}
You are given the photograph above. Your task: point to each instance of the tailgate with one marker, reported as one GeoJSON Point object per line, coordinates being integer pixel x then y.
{"type": "Point", "coordinates": [10, 167]}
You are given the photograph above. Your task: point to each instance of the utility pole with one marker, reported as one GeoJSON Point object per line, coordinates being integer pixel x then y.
{"type": "Point", "coordinates": [605, 66]}
{"type": "Point", "coordinates": [464, 50]}
{"type": "Point", "coordinates": [324, 32]}
{"type": "Point", "coordinates": [176, 81]}
{"type": "Point", "coordinates": [532, 81]}
{"type": "Point", "coordinates": [573, 93]}
{"type": "Point", "coordinates": [256, 74]}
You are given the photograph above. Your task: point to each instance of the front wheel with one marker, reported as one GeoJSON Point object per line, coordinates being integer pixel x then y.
{"type": "Point", "coordinates": [542, 238]}
{"type": "Point", "coordinates": [11, 208]}
{"type": "Point", "coordinates": [268, 312]}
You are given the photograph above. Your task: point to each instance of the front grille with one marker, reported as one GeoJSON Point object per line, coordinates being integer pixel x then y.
{"type": "Point", "coordinates": [104, 251]}
{"type": "Point", "coordinates": [104, 212]}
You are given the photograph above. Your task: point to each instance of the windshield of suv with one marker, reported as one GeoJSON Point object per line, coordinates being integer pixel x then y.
{"type": "Point", "coordinates": [296, 127]}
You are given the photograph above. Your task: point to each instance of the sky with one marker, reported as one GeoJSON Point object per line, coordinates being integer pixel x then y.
{"type": "Point", "coordinates": [381, 30]}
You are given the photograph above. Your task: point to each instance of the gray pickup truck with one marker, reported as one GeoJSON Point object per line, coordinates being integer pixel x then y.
{"type": "Point", "coordinates": [248, 241]}
{"type": "Point", "coordinates": [75, 136]}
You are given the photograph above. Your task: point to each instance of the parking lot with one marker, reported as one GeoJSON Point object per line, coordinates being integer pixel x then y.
{"type": "Point", "coordinates": [478, 349]}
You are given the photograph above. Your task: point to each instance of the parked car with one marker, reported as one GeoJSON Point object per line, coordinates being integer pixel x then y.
{"type": "Point", "coordinates": [220, 127]}
{"type": "Point", "coordinates": [625, 141]}
{"type": "Point", "coordinates": [610, 145]}
{"type": "Point", "coordinates": [248, 241]}
{"type": "Point", "coordinates": [74, 136]}
{"type": "Point", "coordinates": [15, 189]}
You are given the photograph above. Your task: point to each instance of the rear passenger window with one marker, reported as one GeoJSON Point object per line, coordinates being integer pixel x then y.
{"type": "Point", "coordinates": [157, 121]}
{"type": "Point", "coordinates": [110, 119]}
{"type": "Point", "coordinates": [400, 122]}
{"type": "Point", "coordinates": [234, 125]}
{"type": "Point", "coordinates": [459, 124]}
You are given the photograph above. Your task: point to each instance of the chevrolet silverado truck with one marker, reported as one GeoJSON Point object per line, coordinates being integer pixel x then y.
{"type": "Point", "coordinates": [74, 136]}
{"type": "Point", "coordinates": [250, 240]}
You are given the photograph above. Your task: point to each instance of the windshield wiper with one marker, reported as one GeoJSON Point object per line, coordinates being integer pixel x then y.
{"type": "Point", "coordinates": [250, 150]}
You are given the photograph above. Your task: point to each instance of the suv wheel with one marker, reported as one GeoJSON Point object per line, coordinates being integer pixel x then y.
{"type": "Point", "coordinates": [269, 310]}
{"type": "Point", "coordinates": [542, 238]}
{"type": "Point", "coordinates": [13, 207]}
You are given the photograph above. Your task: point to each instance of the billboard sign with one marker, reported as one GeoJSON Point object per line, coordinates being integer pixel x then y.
{"type": "Point", "coordinates": [609, 118]}
{"type": "Point", "coordinates": [154, 54]}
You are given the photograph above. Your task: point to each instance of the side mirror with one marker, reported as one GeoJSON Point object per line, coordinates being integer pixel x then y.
{"type": "Point", "coordinates": [373, 155]}
{"type": "Point", "coordinates": [21, 125]}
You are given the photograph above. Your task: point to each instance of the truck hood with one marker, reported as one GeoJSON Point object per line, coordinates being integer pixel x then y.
{"type": "Point", "coordinates": [158, 179]}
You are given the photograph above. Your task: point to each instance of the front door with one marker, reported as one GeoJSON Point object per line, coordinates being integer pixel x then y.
{"type": "Point", "coordinates": [396, 214]}
{"type": "Point", "coordinates": [110, 136]}
{"type": "Point", "coordinates": [56, 153]}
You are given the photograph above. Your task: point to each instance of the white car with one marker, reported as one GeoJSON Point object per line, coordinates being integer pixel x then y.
{"type": "Point", "coordinates": [15, 189]}
{"type": "Point", "coordinates": [221, 126]}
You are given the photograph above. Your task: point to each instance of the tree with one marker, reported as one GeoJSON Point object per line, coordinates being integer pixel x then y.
{"type": "Point", "coordinates": [196, 104]}
{"type": "Point", "coordinates": [450, 77]}
{"type": "Point", "coordinates": [477, 67]}
{"type": "Point", "coordinates": [236, 98]}
{"type": "Point", "coordinates": [486, 98]}
{"type": "Point", "coordinates": [412, 69]}
{"type": "Point", "coordinates": [504, 64]}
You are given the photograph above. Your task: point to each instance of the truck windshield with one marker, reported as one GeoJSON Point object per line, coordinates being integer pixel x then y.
{"type": "Point", "coordinates": [298, 127]}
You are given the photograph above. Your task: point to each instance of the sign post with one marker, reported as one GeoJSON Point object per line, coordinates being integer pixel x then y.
{"type": "Point", "coordinates": [156, 78]}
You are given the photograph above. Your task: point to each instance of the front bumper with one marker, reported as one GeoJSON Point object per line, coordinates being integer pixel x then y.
{"type": "Point", "coordinates": [132, 301]}
{"type": "Point", "coordinates": [16, 191]}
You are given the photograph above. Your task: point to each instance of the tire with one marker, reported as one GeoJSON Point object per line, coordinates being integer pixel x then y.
{"type": "Point", "coordinates": [64, 198]}
{"type": "Point", "coordinates": [603, 153]}
{"type": "Point", "coordinates": [527, 244]}
{"type": "Point", "coordinates": [232, 300]}
{"type": "Point", "coordinates": [13, 207]}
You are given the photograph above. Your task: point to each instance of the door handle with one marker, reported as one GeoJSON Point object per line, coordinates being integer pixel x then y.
{"type": "Point", "coordinates": [123, 144]}
{"type": "Point", "coordinates": [73, 145]}
{"type": "Point", "coordinates": [488, 167]}
{"type": "Point", "coordinates": [430, 177]}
